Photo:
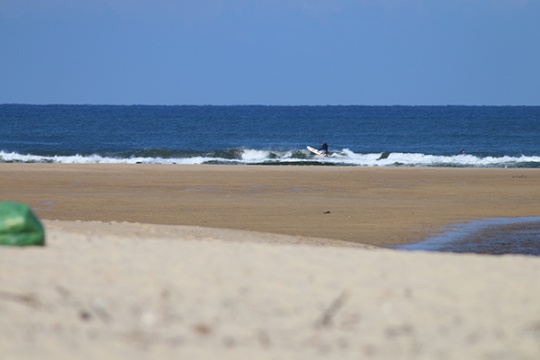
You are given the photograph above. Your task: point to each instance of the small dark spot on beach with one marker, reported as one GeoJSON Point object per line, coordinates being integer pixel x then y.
{"type": "Point", "coordinates": [84, 315]}
{"type": "Point", "coordinates": [202, 329]}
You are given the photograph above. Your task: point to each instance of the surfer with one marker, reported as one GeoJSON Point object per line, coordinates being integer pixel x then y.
{"type": "Point", "coordinates": [324, 149]}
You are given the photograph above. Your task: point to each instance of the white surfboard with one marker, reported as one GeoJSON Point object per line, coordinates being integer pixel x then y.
{"type": "Point", "coordinates": [316, 152]}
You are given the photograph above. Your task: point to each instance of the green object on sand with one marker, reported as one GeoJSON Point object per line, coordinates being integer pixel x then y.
{"type": "Point", "coordinates": [19, 226]}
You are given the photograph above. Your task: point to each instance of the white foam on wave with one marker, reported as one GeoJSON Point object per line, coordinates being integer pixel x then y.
{"type": "Point", "coordinates": [77, 159]}
{"type": "Point", "coordinates": [419, 159]}
{"type": "Point", "coordinates": [15, 157]}
{"type": "Point", "coordinates": [252, 156]}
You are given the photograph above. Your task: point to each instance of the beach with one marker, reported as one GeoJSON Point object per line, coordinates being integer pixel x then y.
{"type": "Point", "coordinates": [376, 206]}
{"type": "Point", "coordinates": [266, 262]}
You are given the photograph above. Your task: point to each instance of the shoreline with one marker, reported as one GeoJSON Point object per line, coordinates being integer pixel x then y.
{"type": "Point", "coordinates": [375, 206]}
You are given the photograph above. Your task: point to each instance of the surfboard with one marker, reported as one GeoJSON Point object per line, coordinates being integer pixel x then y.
{"type": "Point", "coordinates": [316, 152]}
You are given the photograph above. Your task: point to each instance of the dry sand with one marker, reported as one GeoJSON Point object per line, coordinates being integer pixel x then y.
{"type": "Point", "coordinates": [307, 288]}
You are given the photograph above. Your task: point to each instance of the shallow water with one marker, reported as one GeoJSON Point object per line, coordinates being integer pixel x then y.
{"type": "Point", "coordinates": [496, 236]}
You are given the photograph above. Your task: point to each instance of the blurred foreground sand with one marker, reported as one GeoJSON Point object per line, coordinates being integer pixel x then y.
{"type": "Point", "coordinates": [187, 292]}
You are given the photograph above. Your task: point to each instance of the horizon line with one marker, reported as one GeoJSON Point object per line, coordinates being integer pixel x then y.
{"type": "Point", "coordinates": [268, 105]}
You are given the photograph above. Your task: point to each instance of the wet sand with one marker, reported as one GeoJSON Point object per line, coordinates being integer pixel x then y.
{"type": "Point", "coordinates": [376, 206]}
{"type": "Point", "coordinates": [153, 261]}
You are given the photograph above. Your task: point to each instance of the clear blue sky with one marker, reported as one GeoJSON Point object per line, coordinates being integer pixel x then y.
{"type": "Point", "coordinates": [270, 52]}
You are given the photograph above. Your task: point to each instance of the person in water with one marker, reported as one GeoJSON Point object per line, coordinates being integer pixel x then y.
{"type": "Point", "coordinates": [324, 149]}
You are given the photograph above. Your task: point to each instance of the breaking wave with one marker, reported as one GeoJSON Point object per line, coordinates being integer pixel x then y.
{"type": "Point", "coordinates": [344, 157]}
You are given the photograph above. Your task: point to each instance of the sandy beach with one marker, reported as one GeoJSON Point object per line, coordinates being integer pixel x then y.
{"type": "Point", "coordinates": [263, 262]}
{"type": "Point", "coordinates": [376, 206]}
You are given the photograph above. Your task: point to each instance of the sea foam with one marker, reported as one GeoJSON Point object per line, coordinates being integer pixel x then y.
{"type": "Point", "coordinates": [345, 157]}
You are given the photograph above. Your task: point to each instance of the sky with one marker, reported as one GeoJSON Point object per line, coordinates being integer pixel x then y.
{"type": "Point", "coordinates": [270, 52]}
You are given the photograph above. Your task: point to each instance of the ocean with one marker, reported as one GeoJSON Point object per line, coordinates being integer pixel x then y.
{"type": "Point", "coordinates": [434, 136]}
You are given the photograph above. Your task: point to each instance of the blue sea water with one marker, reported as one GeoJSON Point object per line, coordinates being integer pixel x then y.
{"type": "Point", "coordinates": [491, 136]}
